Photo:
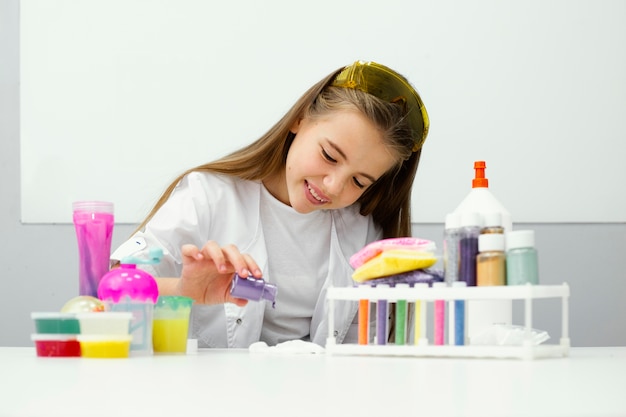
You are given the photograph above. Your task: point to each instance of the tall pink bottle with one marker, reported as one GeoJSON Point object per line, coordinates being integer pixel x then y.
{"type": "Point", "coordinates": [93, 221]}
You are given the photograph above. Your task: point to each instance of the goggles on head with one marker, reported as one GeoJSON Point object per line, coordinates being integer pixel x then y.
{"type": "Point", "coordinates": [386, 84]}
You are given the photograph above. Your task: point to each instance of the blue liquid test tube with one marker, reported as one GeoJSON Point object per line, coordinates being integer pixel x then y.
{"type": "Point", "coordinates": [459, 316]}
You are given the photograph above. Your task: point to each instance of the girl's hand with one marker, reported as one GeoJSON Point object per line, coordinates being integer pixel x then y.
{"type": "Point", "coordinates": [207, 273]}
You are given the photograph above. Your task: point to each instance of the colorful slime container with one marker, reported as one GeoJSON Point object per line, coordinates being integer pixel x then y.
{"type": "Point", "coordinates": [104, 346]}
{"type": "Point", "coordinates": [93, 222]}
{"type": "Point", "coordinates": [171, 324]}
{"type": "Point", "coordinates": [55, 323]}
{"type": "Point", "coordinates": [133, 290]}
{"type": "Point", "coordinates": [56, 345]}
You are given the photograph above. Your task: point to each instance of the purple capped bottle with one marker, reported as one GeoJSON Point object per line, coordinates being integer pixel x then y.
{"type": "Point", "coordinates": [254, 289]}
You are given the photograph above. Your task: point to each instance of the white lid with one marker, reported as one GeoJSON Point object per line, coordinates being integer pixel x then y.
{"type": "Point", "coordinates": [520, 239]}
{"type": "Point", "coordinates": [36, 337]}
{"type": "Point", "coordinates": [105, 315]}
{"type": "Point", "coordinates": [192, 345]}
{"type": "Point", "coordinates": [459, 284]}
{"type": "Point", "coordinates": [492, 218]}
{"type": "Point", "coordinates": [471, 218]}
{"type": "Point", "coordinates": [104, 337]}
{"type": "Point", "coordinates": [52, 315]}
{"type": "Point", "coordinates": [439, 284]}
{"type": "Point", "coordinates": [453, 220]}
{"type": "Point", "coordinates": [491, 242]}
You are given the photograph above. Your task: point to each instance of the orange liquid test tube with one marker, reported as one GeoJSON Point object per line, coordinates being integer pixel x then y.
{"type": "Point", "coordinates": [364, 319]}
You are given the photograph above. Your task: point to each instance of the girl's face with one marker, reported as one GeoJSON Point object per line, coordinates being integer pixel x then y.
{"type": "Point", "coordinates": [331, 162]}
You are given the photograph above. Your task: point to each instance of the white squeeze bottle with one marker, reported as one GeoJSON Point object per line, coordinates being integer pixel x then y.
{"type": "Point", "coordinates": [481, 200]}
{"type": "Point", "coordinates": [482, 314]}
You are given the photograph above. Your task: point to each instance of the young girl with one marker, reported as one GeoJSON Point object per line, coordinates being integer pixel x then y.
{"type": "Point", "coordinates": [334, 174]}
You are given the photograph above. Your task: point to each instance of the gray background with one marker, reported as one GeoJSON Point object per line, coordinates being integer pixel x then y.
{"type": "Point", "coordinates": [40, 261]}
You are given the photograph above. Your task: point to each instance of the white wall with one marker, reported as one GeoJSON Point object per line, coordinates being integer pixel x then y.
{"type": "Point", "coordinates": [119, 96]}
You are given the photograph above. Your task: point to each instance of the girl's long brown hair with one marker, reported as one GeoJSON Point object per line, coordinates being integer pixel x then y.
{"type": "Point", "coordinates": [388, 200]}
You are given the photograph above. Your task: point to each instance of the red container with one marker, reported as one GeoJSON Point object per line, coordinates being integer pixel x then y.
{"type": "Point", "coordinates": [56, 345]}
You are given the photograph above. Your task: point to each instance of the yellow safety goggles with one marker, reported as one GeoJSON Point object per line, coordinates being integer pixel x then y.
{"type": "Point", "coordinates": [386, 84]}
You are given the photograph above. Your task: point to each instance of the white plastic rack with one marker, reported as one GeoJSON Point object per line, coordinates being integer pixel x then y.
{"type": "Point", "coordinates": [527, 293]}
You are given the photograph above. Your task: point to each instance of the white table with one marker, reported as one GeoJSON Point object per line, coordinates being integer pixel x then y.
{"type": "Point", "coordinates": [590, 382]}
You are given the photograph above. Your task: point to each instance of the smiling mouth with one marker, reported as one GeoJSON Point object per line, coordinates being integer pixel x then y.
{"type": "Point", "coordinates": [315, 195]}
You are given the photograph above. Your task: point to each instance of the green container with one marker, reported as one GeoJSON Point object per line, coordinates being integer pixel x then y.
{"type": "Point", "coordinates": [56, 323]}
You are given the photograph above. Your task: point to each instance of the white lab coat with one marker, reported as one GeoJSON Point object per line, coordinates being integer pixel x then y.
{"type": "Point", "coordinates": [226, 209]}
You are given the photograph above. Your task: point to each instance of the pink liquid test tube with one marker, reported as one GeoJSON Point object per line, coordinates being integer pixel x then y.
{"type": "Point", "coordinates": [93, 222]}
{"type": "Point", "coordinates": [439, 313]}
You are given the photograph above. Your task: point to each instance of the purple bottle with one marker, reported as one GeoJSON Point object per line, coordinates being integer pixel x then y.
{"type": "Point", "coordinates": [253, 289]}
{"type": "Point", "coordinates": [471, 223]}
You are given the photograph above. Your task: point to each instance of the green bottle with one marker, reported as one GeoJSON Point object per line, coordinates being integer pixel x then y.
{"type": "Point", "coordinates": [521, 258]}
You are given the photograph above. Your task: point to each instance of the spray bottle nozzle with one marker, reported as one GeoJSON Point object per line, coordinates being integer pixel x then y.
{"type": "Point", "coordinates": [479, 180]}
{"type": "Point", "coordinates": [154, 257]}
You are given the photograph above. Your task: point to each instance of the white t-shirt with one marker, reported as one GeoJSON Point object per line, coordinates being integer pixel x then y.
{"type": "Point", "coordinates": [226, 209]}
{"type": "Point", "coordinates": [299, 268]}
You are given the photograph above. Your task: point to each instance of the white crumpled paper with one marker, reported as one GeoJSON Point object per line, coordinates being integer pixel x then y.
{"type": "Point", "coordinates": [291, 346]}
{"type": "Point", "coordinates": [507, 335]}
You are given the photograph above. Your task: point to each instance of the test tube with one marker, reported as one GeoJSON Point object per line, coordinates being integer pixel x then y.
{"type": "Point", "coordinates": [420, 318]}
{"type": "Point", "coordinates": [364, 318]}
{"type": "Point", "coordinates": [459, 316]}
{"type": "Point", "coordinates": [401, 316]}
{"type": "Point", "coordinates": [439, 313]}
{"type": "Point", "coordinates": [382, 312]}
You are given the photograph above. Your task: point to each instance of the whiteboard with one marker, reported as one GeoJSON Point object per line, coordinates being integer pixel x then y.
{"type": "Point", "coordinates": [120, 96]}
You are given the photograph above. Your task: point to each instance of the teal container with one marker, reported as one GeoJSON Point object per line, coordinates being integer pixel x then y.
{"type": "Point", "coordinates": [56, 323]}
{"type": "Point", "coordinates": [522, 266]}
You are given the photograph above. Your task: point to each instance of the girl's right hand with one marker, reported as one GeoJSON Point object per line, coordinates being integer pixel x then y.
{"type": "Point", "coordinates": [208, 272]}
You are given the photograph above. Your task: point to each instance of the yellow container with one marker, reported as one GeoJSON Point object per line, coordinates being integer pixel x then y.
{"type": "Point", "coordinates": [170, 335]}
{"type": "Point", "coordinates": [105, 346]}
{"type": "Point", "coordinates": [171, 324]}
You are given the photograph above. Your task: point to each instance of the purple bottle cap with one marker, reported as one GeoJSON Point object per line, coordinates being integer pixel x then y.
{"type": "Point", "coordinates": [253, 289]}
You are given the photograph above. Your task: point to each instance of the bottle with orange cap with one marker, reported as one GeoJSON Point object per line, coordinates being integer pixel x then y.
{"type": "Point", "coordinates": [480, 200]}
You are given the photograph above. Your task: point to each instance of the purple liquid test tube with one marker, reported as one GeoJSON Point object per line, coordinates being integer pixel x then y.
{"type": "Point", "coordinates": [253, 289]}
{"type": "Point", "coordinates": [382, 311]}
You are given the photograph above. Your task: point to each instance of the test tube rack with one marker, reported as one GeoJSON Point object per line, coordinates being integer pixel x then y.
{"type": "Point", "coordinates": [527, 293]}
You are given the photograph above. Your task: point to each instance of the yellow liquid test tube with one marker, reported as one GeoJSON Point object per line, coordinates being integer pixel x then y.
{"type": "Point", "coordinates": [420, 319]}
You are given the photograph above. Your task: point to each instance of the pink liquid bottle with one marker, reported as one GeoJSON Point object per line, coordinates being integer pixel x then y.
{"type": "Point", "coordinates": [93, 222]}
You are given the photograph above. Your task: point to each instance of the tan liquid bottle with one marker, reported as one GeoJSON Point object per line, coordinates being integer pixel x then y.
{"type": "Point", "coordinates": [491, 260]}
